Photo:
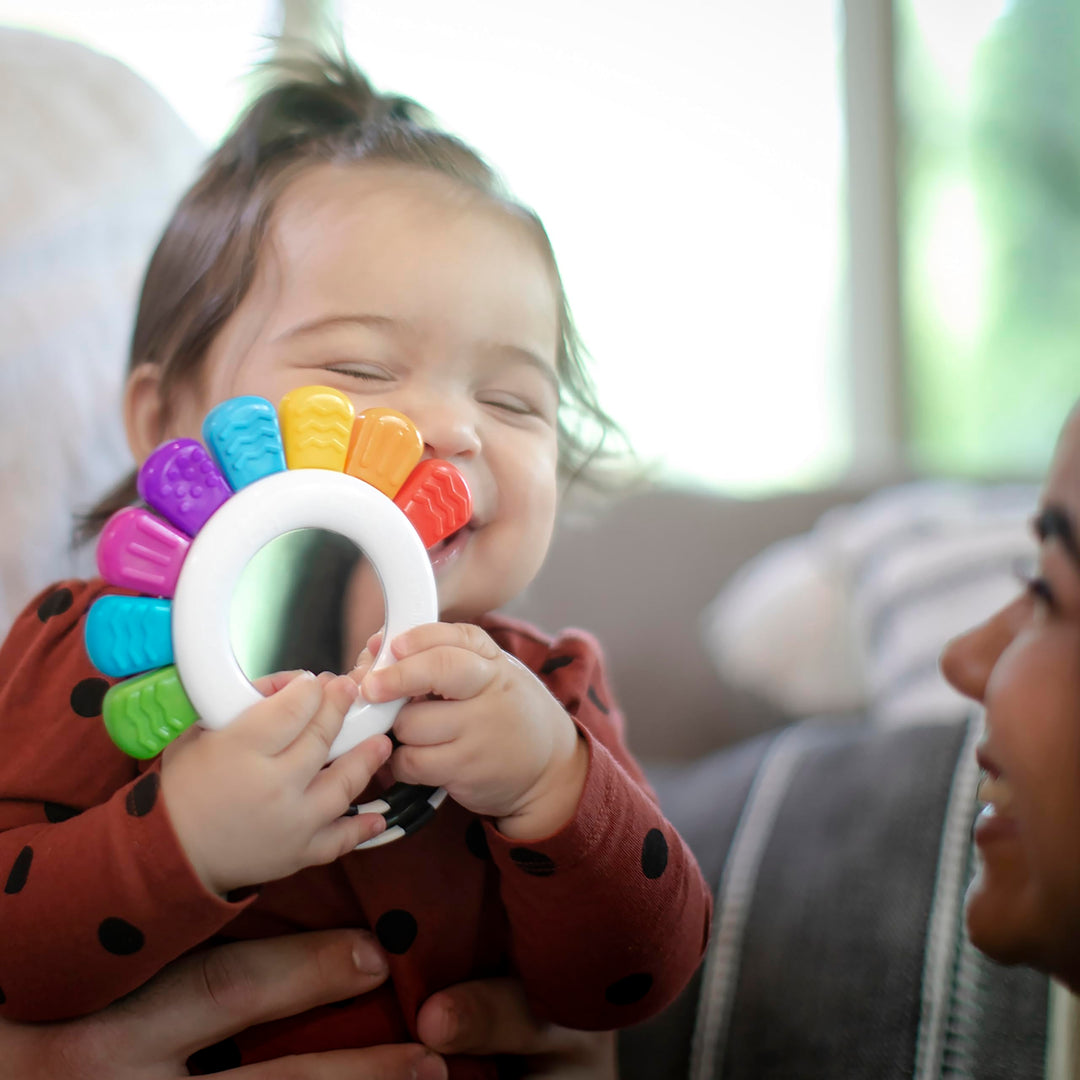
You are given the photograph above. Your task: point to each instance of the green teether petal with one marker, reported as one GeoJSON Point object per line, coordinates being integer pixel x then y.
{"type": "Point", "coordinates": [143, 715]}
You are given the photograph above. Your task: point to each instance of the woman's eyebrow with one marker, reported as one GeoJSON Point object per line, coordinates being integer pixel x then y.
{"type": "Point", "coordinates": [1054, 521]}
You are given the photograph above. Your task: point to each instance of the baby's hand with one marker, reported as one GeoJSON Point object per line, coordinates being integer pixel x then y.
{"type": "Point", "coordinates": [498, 742]}
{"type": "Point", "coordinates": [252, 802]}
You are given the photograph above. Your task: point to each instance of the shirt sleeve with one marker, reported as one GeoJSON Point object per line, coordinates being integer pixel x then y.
{"type": "Point", "coordinates": [98, 894]}
{"type": "Point", "coordinates": [610, 915]}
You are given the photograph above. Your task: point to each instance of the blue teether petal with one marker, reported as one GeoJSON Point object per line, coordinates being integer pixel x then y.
{"type": "Point", "coordinates": [129, 634]}
{"type": "Point", "coordinates": [243, 435]}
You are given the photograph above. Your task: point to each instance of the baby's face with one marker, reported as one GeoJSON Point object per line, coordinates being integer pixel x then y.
{"type": "Point", "coordinates": [403, 289]}
{"type": "Point", "coordinates": [1023, 665]}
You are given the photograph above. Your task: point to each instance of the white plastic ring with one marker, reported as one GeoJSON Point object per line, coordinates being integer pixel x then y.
{"type": "Point", "coordinates": [254, 516]}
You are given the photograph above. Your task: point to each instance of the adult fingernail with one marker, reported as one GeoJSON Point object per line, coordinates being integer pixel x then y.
{"type": "Point", "coordinates": [430, 1067]}
{"type": "Point", "coordinates": [368, 958]}
{"type": "Point", "coordinates": [448, 1025]}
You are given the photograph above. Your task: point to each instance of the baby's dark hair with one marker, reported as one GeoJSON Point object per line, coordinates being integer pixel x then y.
{"type": "Point", "coordinates": [316, 110]}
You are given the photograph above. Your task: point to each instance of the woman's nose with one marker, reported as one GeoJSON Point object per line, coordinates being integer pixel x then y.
{"type": "Point", "coordinates": [968, 660]}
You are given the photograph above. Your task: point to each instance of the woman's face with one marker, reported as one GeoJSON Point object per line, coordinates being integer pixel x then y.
{"type": "Point", "coordinates": [1023, 665]}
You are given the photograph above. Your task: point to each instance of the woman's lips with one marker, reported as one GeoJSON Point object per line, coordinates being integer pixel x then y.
{"type": "Point", "coordinates": [995, 820]}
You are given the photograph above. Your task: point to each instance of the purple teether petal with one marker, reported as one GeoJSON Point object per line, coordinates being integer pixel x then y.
{"type": "Point", "coordinates": [180, 480]}
{"type": "Point", "coordinates": [139, 551]}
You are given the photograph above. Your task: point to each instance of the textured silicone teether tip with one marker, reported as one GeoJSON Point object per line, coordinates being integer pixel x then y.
{"type": "Point", "coordinates": [139, 551]}
{"type": "Point", "coordinates": [143, 715]}
{"type": "Point", "coordinates": [181, 481]}
{"type": "Point", "coordinates": [436, 499]}
{"type": "Point", "coordinates": [129, 634]}
{"type": "Point", "coordinates": [244, 436]}
{"type": "Point", "coordinates": [385, 448]}
{"type": "Point", "coordinates": [316, 423]}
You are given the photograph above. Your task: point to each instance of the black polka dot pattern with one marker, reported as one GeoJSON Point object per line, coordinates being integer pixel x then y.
{"type": "Point", "coordinates": [88, 695]}
{"type": "Point", "coordinates": [594, 697]}
{"type": "Point", "coordinates": [654, 854]}
{"type": "Point", "coordinates": [119, 937]}
{"type": "Point", "coordinates": [141, 798]}
{"type": "Point", "coordinates": [57, 812]}
{"type": "Point", "coordinates": [553, 663]}
{"type": "Point", "coordinates": [476, 839]}
{"type": "Point", "coordinates": [532, 862]}
{"type": "Point", "coordinates": [20, 871]}
{"type": "Point", "coordinates": [56, 603]}
{"type": "Point", "coordinates": [217, 1058]}
{"type": "Point", "coordinates": [396, 931]}
{"type": "Point", "coordinates": [630, 989]}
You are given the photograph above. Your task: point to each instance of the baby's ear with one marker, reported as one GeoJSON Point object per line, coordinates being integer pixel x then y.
{"type": "Point", "coordinates": [143, 412]}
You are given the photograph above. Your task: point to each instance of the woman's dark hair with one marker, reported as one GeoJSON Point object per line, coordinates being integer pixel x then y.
{"type": "Point", "coordinates": [318, 110]}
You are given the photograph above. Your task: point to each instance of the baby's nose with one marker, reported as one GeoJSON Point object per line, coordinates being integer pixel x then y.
{"type": "Point", "coordinates": [449, 431]}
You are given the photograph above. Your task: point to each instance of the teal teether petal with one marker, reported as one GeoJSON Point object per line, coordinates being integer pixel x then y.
{"type": "Point", "coordinates": [128, 634]}
{"type": "Point", "coordinates": [244, 436]}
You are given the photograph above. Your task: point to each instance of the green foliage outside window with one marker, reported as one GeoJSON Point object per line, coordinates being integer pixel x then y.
{"type": "Point", "coordinates": [990, 229]}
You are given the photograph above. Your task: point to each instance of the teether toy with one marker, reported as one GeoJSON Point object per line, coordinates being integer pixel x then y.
{"type": "Point", "coordinates": [261, 474]}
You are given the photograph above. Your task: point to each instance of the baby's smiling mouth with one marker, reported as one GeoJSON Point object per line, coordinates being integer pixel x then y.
{"type": "Point", "coordinates": [450, 547]}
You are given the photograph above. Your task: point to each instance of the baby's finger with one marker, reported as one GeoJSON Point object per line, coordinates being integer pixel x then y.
{"type": "Point", "coordinates": [273, 723]}
{"type": "Point", "coordinates": [367, 654]}
{"type": "Point", "coordinates": [271, 684]}
{"type": "Point", "coordinates": [431, 635]}
{"type": "Point", "coordinates": [431, 766]}
{"type": "Point", "coordinates": [310, 748]}
{"type": "Point", "coordinates": [334, 788]}
{"type": "Point", "coordinates": [342, 836]}
{"type": "Point", "coordinates": [429, 723]}
{"type": "Point", "coordinates": [448, 671]}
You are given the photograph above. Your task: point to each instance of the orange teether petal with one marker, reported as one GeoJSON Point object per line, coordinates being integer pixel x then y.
{"type": "Point", "coordinates": [316, 422]}
{"type": "Point", "coordinates": [385, 448]}
{"type": "Point", "coordinates": [436, 499]}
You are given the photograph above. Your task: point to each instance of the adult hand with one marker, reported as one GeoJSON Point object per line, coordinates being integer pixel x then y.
{"type": "Point", "coordinates": [491, 1016]}
{"type": "Point", "coordinates": [204, 998]}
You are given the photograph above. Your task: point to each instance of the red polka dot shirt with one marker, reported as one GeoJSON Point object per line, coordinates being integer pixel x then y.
{"type": "Point", "coordinates": [604, 921]}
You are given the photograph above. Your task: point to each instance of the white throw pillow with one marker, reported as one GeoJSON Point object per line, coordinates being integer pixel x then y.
{"type": "Point", "coordinates": [855, 613]}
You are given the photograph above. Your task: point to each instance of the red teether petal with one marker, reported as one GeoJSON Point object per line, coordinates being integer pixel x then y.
{"type": "Point", "coordinates": [436, 499]}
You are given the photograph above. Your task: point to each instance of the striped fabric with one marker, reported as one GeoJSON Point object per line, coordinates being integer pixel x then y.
{"type": "Point", "coordinates": [841, 855]}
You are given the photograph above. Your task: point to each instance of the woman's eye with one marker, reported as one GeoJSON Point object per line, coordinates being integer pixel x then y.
{"type": "Point", "coordinates": [1037, 587]}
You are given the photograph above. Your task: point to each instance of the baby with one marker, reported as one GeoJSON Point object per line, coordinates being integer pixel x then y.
{"type": "Point", "coordinates": [337, 238]}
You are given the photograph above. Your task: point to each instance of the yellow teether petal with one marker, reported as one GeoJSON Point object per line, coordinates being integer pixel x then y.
{"type": "Point", "coordinates": [316, 422]}
{"type": "Point", "coordinates": [385, 448]}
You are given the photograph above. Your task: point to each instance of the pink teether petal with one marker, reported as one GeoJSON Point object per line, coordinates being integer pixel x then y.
{"type": "Point", "coordinates": [139, 551]}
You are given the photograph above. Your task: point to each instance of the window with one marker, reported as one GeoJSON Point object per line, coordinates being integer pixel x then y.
{"type": "Point", "coordinates": [988, 93]}
{"type": "Point", "coordinates": [687, 161]}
